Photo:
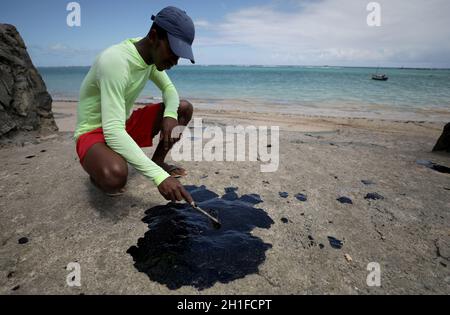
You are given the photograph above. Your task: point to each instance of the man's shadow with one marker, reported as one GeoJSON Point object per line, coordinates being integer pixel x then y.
{"type": "Point", "coordinates": [115, 208]}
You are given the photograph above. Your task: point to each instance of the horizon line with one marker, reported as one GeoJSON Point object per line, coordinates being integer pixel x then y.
{"type": "Point", "coordinates": [261, 65]}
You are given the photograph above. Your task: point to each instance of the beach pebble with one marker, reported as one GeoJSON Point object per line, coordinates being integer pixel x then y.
{"type": "Point", "coordinates": [30, 156]}
{"type": "Point", "coordinates": [345, 200]}
{"type": "Point", "coordinates": [284, 220]}
{"type": "Point", "coordinates": [301, 197]}
{"type": "Point", "coordinates": [367, 182]}
{"type": "Point", "coordinates": [373, 196]}
{"type": "Point", "coordinates": [348, 257]}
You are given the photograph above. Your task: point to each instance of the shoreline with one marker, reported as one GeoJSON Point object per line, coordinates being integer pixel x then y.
{"type": "Point", "coordinates": [65, 117]}
{"type": "Point", "coordinates": [343, 111]}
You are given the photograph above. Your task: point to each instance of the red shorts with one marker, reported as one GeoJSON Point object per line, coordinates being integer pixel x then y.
{"type": "Point", "coordinates": [139, 126]}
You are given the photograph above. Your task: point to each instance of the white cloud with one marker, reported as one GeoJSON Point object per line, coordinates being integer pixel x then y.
{"type": "Point", "coordinates": [201, 23]}
{"type": "Point", "coordinates": [58, 48]}
{"type": "Point", "coordinates": [413, 32]}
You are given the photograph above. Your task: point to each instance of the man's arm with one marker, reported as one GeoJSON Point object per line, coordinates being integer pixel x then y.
{"type": "Point", "coordinates": [112, 77]}
{"type": "Point", "coordinates": [169, 93]}
{"type": "Point", "coordinates": [171, 102]}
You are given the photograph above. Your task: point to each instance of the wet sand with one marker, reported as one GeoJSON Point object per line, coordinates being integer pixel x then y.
{"type": "Point", "coordinates": [48, 199]}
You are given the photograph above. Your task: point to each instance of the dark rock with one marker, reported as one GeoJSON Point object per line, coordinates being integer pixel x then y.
{"type": "Point", "coordinates": [373, 196]}
{"type": "Point", "coordinates": [367, 182]}
{"type": "Point", "coordinates": [25, 103]}
{"type": "Point", "coordinates": [17, 287]}
{"type": "Point", "coordinates": [345, 200]}
{"type": "Point", "coordinates": [443, 143]}
{"type": "Point", "coordinates": [284, 220]}
{"type": "Point", "coordinates": [321, 246]}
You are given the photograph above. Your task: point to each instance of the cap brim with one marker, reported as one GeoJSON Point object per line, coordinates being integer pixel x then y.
{"type": "Point", "coordinates": [180, 48]}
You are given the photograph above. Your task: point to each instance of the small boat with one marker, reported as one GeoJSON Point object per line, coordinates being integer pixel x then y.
{"type": "Point", "coordinates": [380, 77]}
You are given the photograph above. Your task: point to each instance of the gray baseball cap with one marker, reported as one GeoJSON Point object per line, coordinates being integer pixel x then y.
{"type": "Point", "coordinates": [180, 30]}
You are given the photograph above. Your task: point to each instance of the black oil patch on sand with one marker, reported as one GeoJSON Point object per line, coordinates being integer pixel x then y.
{"type": "Point", "coordinates": [181, 247]}
{"type": "Point", "coordinates": [434, 166]}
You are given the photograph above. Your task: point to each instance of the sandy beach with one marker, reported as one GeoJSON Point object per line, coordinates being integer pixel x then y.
{"type": "Point", "coordinates": [48, 198]}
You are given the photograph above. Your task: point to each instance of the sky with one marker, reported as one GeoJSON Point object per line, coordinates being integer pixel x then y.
{"type": "Point", "coordinates": [412, 33]}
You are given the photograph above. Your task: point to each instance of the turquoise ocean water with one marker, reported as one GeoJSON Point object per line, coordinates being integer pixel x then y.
{"type": "Point", "coordinates": [325, 89]}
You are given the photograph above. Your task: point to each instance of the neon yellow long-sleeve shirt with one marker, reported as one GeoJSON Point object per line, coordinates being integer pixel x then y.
{"type": "Point", "coordinates": [107, 95]}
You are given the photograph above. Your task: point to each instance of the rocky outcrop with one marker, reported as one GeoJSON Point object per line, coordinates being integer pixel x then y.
{"type": "Point", "coordinates": [25, 104]}
{"type": "Point", "coordinates": [443, 143]}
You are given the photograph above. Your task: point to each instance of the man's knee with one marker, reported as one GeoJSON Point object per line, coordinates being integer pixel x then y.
{"type": "Point", "coordinates": [185, 112]}
{"type": "Point", "coordinates": [114, 176]}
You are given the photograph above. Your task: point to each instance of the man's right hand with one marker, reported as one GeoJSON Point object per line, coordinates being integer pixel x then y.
{"type": "Point", "coordinates": [171, 189]}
